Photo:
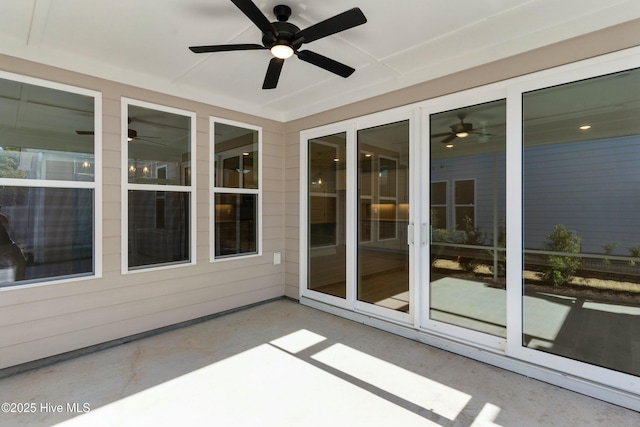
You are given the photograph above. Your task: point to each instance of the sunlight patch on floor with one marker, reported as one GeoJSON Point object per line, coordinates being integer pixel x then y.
{"type": "Point", "coordinates": [264, 386]}
{"type": "Point", "coordinates": [298, 341]}
{"type": "Point", "coordinates": [487, 416]}
{"type": "Point", "coordinates": [395, 302]}
{"type": "Point", "coordinates": [421, 391]}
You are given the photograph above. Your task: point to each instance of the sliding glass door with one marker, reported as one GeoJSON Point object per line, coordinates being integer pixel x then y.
{"type": "Point", "coordinates": [326, 180]}
{"type": "Point", "coordinates": [467, 213]}
{"type": "Point", "coordinates": [383, 216]}
{"type": "Point", "coordinates": [581, 251]}
{"type": "Point", "coordinates": [502, 223]}
{"type": "Point", "coordinates": [356, 216]}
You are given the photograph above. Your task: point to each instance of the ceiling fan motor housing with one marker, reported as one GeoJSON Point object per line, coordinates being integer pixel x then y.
{"type": "Point", "coordinates": [282, 12]}
{"type": "Point", "coordinates": [286, 30]}
{"type": "Point", "coordinates": [284, 39]}
{"type": "Point", "coordinates": [461, 127]}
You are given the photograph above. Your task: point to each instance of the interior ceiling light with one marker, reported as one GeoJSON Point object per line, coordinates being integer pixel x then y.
{"type": "Point", "coordinates": [449, 145]}
{"type": "Point", "coordinates": [282, 51]}
{"type": "Point", "coordinates": [462, 134]}
{"type": "Point", "coordinates": [585, 127]}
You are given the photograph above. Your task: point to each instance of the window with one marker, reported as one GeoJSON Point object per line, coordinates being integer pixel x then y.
{"type": "Point", "coordinates": [387, 198]}
{"type": "Point", "coordinates": [465, 200]}
{"type": "Point", "coordinates": [366, 196]}
{"type": "Point", "coordinates": [236, 189]}
{"type": "Point", "coordinates": [49, 181]}
{"type": "Point", "coordinates": [438, 213]}
{"type": "Point", "coordinates": [158, 143]}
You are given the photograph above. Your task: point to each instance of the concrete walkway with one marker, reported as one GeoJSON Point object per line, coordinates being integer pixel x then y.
{"type": "Point", "coordinates": [283, 364]}
{"type": "Point", "coordinates": [603, 334]}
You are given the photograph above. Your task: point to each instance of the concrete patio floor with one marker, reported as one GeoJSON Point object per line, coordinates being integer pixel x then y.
{"type": "Point", "coordinates": [284, 364]}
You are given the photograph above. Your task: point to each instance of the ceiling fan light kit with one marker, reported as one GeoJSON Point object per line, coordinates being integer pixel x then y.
{"type": "Point", "coordinates": [282, 51]}
{"type": "Point", "coordinates": [463, 130]}
{"type": "Point", "coordinates": [284, 39]}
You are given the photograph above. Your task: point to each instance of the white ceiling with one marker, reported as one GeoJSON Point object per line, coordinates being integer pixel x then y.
{"type": "Point", "coordinates": [144, 43]}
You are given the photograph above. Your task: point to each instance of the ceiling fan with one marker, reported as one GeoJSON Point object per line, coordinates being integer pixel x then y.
{"type": "Point", "coordinates": [132, 134]}
{"type": "Point", "coordinates": [284, 39]}
{"type": "Point", "coordinates": [461, 130]}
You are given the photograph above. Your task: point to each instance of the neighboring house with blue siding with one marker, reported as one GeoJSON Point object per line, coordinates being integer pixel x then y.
{"type": "Point", "coordinates": [555, 166]}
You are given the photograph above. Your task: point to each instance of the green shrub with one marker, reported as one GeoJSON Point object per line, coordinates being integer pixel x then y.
{"type": "Point", "coordinates": [608, 250]}
{"type": "Point", "coordinates": [561, 268]}
{"type": "Point", "coordinates": [635, 252]}
{"type": "Point", "coordinates": [470, 236]}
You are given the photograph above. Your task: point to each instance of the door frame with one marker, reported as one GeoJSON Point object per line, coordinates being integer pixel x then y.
{"type": "Point", "coordinates": [351, 128]}
{"type": "Point", "coordinates": [457, 100]}
{"type": "Point", "coordinates": [602, 383]}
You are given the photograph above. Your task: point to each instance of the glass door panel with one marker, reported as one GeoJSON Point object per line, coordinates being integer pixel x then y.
{"type": "Point", "coordinates": [581, 244]}
{"type": "Point", "coordinates": [327, 215]}
{"type": "Point", "coordinates": [467, 218]}
{"type": "Point", "coordinates": [383, 216]}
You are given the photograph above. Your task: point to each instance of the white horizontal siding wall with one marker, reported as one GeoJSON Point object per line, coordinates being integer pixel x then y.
{"type": "Point", "coordinates": [38, 321]}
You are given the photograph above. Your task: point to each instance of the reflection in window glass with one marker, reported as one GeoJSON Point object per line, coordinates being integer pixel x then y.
{"type": "Point", "coordinates": [465, 197]}
{"type": "Point", "coordinates": [387, 177]}
{"type": "Point", "coordinates": [327, 215]}
{"type": "Point", "coordinates": [159, 144]}
{"type": "Point", "coordinates": [581, 241]}
{"type": "Point", "coordinates": [236, 156]}
{"type": "Point", "coordinates": [236, 199]}
{"type": "Point", "coordinates": [467, 286]}
{"type": "Point", "coordinates": [465, 192]}
{"type": "Point", "coordinates": [235, 221]}
{"type": "Point", "coordinates": [46, 232]}
{"type": "Point", "coordinates": [158, 227]}
{"type": "Point", "coordinates": [383, 252]}
{"type": "Point", "coordinates": [47, 134]}
{"type": "Point", "coordinates": [438, 212]}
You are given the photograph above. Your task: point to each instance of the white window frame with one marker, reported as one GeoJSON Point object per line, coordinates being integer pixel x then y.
{"type": "Point", "coordinates": [95, 185]}
{"type": "Point", "coordinates": [383, 199]}
{"type": "Point", "coordinates": [214, 190]}
{"type": "Point", "coordinates": [368, 197]}
{"type": "Point", "coordinates": [460, 227]}
{"type": "Point", "coordinates": [126, 186]}
{"type": "Point", "coordinates": [333, 195]}
{"type": "Point", "coordinates": [445, 205]}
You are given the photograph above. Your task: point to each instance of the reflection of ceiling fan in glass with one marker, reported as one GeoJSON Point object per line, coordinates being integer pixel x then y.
{"type": "Point", "coordinates": [132, 134]}
{"type": "Point", "coordinates": [463, 130]}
